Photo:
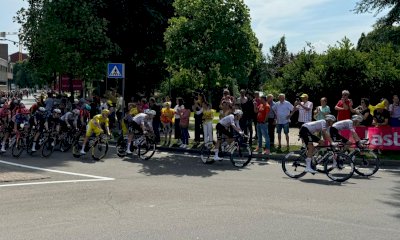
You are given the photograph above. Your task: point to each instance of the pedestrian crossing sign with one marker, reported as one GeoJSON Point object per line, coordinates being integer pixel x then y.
{"type": "Point", "coordinates": [116, 70]}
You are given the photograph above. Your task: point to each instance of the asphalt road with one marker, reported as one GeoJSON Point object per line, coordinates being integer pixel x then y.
{"type": "Point", "coordinates": [177, 197]}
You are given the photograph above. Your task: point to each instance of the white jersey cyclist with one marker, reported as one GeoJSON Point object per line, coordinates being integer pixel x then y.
{"type": "Point", "coordinates": [316, 126]}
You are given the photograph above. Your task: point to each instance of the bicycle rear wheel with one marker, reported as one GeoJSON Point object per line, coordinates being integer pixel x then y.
{"type": "Point", "coordinates": [121, 147]}
{"type": "Point", "coordinates": [241, 155]}
{"type": "Point", "coordinates": [294, 165]}
{"type": "Point", "coordinates": [339, 169]}
{"type": "Point", "coordinates": [76, 148]}
{"type": "Point", "coordinates": [366, 163]}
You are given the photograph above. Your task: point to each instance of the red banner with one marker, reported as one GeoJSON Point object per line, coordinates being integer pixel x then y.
{"type": "Point", "coordinates": [384, 138]}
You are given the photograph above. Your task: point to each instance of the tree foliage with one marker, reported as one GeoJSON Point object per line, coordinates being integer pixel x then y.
{"type": "Point", "coordinates": [378, 37]}
{"type": "Point", "coordinates": [392, 17]}
{"type": "Point", "coordinates": [66, 37]}
{"type": "Point", "coordinates": [213, 41]}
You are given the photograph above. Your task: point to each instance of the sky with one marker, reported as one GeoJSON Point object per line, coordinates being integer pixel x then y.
{"type": "Point", "coordinates": [320, 22]}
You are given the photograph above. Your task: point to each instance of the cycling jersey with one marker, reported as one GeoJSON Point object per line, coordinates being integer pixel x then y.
{"type": "Point", "coordinates": [344, 124]}
{"type": "Point", "coordinates": [315, 126]}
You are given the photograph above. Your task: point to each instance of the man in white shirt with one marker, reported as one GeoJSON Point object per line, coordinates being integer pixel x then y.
{"type": "Point", "coordinates": [305, 108]}
{"type": "Point", "coordinates": [283, 111]}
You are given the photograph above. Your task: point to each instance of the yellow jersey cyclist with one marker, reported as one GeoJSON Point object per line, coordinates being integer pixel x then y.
{"type": "Point", "coordinates": [95, 126]}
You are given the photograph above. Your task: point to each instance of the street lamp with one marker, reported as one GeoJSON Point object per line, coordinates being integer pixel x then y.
{"type": "Point", "coordinates": [4, 34]}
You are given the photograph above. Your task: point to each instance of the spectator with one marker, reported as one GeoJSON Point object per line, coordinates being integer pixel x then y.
{"type": "Point", "coordinates": [305, 108]}
{"type": "Point", "coordinates": [321, 111]}
{"type": "Point", "coordinates": [394, 110]}
{"type": "Point", "coordinates": [248, 115]}
{"type": "Point", "coordinates": [157, 118]}
{"type": "Point", "coordinates": [208, 117]}
{"type": "Point", "coordinates": [227, 98]}
{"type": "Point", "coordinates": [381, 115]}
{"type": "Point", "coordinates": [198, 117]}
{"type": "Point", "coordinates": [344, 107]}
{"type": "Point", "coordinates": [256, 102]}
{"type": "Point", "coordinates": [283, 111]}
{"type": "Point", "coordinates": [177, 108]}
{"type": "Point", "coordinates": [262, 125]}
{"type": "Point", "coordinates": [167, 115]}
{"type": "Point", "coordinates": [184, 125]}
{"type": "Point", "coordinates": [365, 112]}
{"type": "Point", "coordinates": [242, 100]}
{"type": "Point", "coordinates": [271, 121]}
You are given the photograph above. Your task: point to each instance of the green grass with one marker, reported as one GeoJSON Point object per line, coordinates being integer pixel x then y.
{"type": "Point", "coordinates": [390, 155]}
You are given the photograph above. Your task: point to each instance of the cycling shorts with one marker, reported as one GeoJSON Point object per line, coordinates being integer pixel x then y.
{"type": "Point", "coordinates": [307, 136]}
{"type": "Point", "coordinates": [335, 135]}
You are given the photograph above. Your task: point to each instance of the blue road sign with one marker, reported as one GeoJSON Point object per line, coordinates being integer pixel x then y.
{"type": "Point", "coordinates": [116, 70]}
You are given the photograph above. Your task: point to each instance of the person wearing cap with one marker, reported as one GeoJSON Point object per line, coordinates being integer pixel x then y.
{"type": "Point", "coordinates": [96, 126]}
{"type": "Point", "coordinates": [344, 107]}
{"type": "Point", "coordinates": [381, 115]}
{"type": "Point", "coordinates": [306, 133]}
{"type": "Point", "coordinates": [223, 128]}
{"type": "Point", "coordinates": [305, 108]}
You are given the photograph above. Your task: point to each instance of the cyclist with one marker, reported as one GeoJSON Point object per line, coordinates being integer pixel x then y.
{"type": "Point", "coordinates": [70, 119]}
{"type": "Point", "coordinates": [38, 120]}
{"type": "Point", "coordinates": [5, 121]}
{"type": "Point", "coordinates": [223, 128]}
{"type": "Point", "coordinates": [347, 124]}
{"type": "Point", "coordinates": [141, 122]}
{"type": "Point", "coordinates": [95, 126]}
{"type": "Point", "coordinates": [307, 135]}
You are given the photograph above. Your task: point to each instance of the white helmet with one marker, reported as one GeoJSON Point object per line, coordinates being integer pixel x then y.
{"type": "Point", "coordinates": [238, 112]}
{"type": "Point", "coordinates": [56, 110]}
{"type": "Point", "coordinates": [76, 111]}
{"type": "Point", "coordinates": [330, 118]}
{"type": "Point", "coordinates": [357, 118]}
{"type": "Point", "coordinates": [150, 112]}
{"type": "Point", "coordinates": [42, 109]}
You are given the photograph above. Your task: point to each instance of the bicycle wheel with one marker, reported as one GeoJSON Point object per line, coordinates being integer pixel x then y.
{"type": "Point", "coordinates": [99, 149]}
{"type": "Point", "coordinates": [206, 153]}
{"type": "Point", "coordinates": [29, 147]}
{"type": "Point", "coordinates": [341, 169]}
{"type": "Point", "coordinates": [18, 148]}
{"type": "Point", "coordinates": [48, 147]}
{"type": "Point", "coordinates": [241, 155]}
{"type": "Point", "coordinates": [76, 148]}
{"type": "Point", "coordinates": [147, 149]}
{"type": "Point", "coordinates": [366, 163]}
{"type": "Point", "coordinates": [121, 147]}
{"type": "Point", "coordinates": [294, 164]}
{"type": "Point", "coordinates": [66, 143]}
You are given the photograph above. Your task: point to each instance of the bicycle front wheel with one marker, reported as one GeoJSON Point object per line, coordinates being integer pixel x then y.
{"type": "Point", "coordinates": [48, 147]}
{"type": "Point", "coordinates": [241, 155]}
{"type": "Point", "coordinates": [206, 153]}
{"type": "Point", "coordinates": [339, 168]}
{"type": "Point", "coordinates": [366, 163]}
{"type": "Point", "coordinates": [18, 148]}
{"type": "Point", "coordinates": [99, 150]}
{"type": "Point", "coordinates": [146, 149]}
{"type": "Point", "coordinates": [294, 165]}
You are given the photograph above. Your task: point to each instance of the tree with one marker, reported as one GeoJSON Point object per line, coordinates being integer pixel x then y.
{"type": "Point", "coordinates": [380, 36]}
{"type": "Point", "coordinates": [392, 17]}
{"type": "Point", "coordinates": [212, 40]}
{"type": "Point", "coordinates": [66, 37]}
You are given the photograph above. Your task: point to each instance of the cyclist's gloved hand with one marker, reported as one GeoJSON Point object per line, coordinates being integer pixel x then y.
{"type": "Point", "coordinates": [144, 132]}
{"type": "Point", "coordinates": [334, 144]}
{"type": "Point", "coordinates": [241, 133]}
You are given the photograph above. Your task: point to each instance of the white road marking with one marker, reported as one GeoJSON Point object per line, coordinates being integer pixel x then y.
{"type": "Point", "coordinates": [96, 178]}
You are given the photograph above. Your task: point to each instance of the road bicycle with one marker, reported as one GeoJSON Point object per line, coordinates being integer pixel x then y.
{"type": "Point", "coordinates": [337, 165]}
{"type": "Point", "coordinates": [239, 151]}
{"type": "Point", "coordinates": [98, 146]}
{"type": "Point", "coordinates": [143, 145]}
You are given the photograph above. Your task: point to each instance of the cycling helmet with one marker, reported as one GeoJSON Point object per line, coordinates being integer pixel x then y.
{"type": "Point", "coordinates": [150, 112]}
{"type": "Point", "coordinates": [238, 112]}
{"type": "Point", "coordinates": [105, 111]}
{"type": "Point", "coordinates": [76, 111]}
{"type": "Point", "coordinates": [42, 109]}
{"type": "Point", "coordinates": [88, 107]}
{"type": "Point", "coordinates": [57, 111]}
{"type": "Point", "coordinates": [330, 118]}
{"type": "Point", "coordinates": [357, 118]}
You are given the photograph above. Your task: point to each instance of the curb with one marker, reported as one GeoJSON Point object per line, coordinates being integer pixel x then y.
{"type": "Point", "coordinates": [274, 156]}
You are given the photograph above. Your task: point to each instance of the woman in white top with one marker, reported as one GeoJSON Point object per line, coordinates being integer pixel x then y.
{"type": "Point", "coordinates": [178, 106]}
